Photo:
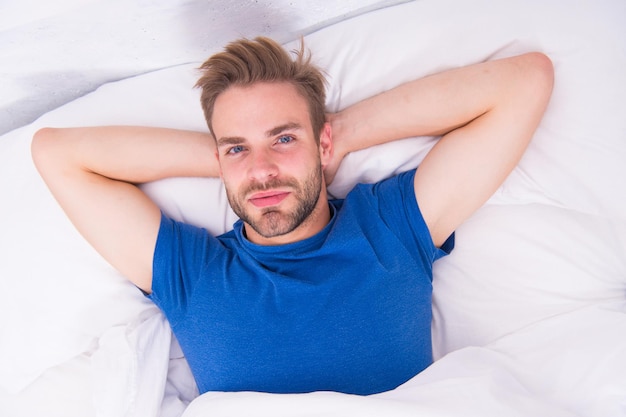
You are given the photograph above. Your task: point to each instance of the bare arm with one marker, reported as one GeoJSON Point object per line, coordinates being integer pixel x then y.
{"type": "Point", "coordinates": [487, 114]}
{"type": "Point", "coordinates": [93, 172]}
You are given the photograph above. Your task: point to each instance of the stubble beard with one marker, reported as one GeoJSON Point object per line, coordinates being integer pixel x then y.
{"type": "Point", "coordinates": [272, 222]}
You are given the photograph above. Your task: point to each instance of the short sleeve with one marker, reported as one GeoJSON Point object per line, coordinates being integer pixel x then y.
{"type": "Point", "coordinates": [399, 209]}
{"type": "Point", "coordinates": [180, 254]}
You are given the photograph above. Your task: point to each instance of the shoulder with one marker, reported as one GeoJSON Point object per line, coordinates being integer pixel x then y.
{"type": "Point", "coordinates": [390, 206]}
{"type": "Point", "coordinates": [392, 196]}
{"type": "Point", "coordinates": [399, 185]}
{"type": "Point", "coordinates": [179, 243]}
{"type": "Point", "coordinates": [183, 255]}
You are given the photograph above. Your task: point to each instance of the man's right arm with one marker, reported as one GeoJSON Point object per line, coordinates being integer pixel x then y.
{"type": "Point", "coordinates": [93, 173]}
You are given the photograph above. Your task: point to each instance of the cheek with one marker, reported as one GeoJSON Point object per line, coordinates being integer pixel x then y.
{"type": "Point", "coordinates": [230, 176]}
{"type": "Point", "coordinates": [228, 166]}
{"type": "Point", "coordinates": [298, 167]}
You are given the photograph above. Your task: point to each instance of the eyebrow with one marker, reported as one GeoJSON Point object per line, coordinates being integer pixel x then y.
{"type": "Point", "coordinates": [283, 128]}
{"type": "Point", "coordinates": [230, 140]}
{"type": "Point", "coordinates": [237, 140]}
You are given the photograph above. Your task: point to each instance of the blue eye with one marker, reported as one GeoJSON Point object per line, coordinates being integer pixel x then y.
{"type": "Point", "coordinates": [235, 149]}
{"type": "Point", "coordinates": [285, 139]}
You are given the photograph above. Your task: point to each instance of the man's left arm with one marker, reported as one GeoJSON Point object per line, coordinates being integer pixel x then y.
{"type": "Point", "coordinates": [486, 113]}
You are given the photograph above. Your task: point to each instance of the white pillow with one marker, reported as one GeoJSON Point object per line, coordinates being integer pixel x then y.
{"type": "Point", "coordinates": [518, 264]}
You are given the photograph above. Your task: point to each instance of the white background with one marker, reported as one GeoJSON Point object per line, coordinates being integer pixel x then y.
{"type": "Point", "coordinates": [52, 52]}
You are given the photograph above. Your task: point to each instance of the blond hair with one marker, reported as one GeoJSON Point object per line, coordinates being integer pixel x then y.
{"type": "Point", "coordinates": [245, 62]}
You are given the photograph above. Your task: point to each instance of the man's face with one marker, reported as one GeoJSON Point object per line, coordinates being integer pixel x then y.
{"type": "Point", "coordinates": [270, 162]}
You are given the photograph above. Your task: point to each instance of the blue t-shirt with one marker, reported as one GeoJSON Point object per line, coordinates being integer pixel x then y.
{"type": "Point", "coordinates": [346, 310]}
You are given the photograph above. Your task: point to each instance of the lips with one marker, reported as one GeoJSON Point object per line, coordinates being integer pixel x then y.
{"type": "Point", "coordinates": [268, 198]}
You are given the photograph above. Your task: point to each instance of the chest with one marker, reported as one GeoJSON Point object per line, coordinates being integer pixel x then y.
{"type": "Point", "coordinates": [317, 323]}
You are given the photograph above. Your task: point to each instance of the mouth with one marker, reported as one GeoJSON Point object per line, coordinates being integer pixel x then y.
{"type": "Point", "coordinates": [268, 198]}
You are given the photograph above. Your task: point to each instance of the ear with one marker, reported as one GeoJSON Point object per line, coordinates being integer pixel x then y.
{"type": "Point", "coordinates": [326, 144]}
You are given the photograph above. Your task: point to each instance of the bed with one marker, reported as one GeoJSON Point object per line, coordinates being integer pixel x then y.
{"type": "Point", "coordinates": [529, 309]}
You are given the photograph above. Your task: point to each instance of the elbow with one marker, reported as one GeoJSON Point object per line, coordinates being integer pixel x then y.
{"type": "Point", "coordinates": [40, 141]}
{"type": "Point", "coordinates": [541, 74]}
{"type": "Point", "coordinates": [42, 136]}
{"type": "Point", "coordinates": [43, 148]}
{"type": "Point", "coordinates": [531, 82]}
{"type": "Point", "coordinates": [545, 67]}
{"type": "Point", "coordinates": [542, 63]}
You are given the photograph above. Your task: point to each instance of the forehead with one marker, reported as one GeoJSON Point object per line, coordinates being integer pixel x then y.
{"type": "Point", "coordinates": [247, 110]}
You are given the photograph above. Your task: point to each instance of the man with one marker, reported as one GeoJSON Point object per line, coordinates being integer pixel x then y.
{"type": "Point", "coordinates": [304, 293]}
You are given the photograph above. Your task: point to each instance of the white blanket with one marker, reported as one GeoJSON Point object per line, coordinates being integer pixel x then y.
{"type": "Point", "coordinates": [529, 310]}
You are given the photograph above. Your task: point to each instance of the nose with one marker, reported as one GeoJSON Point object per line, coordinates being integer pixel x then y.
{"type": "Point", "coordinates": [262, 166]}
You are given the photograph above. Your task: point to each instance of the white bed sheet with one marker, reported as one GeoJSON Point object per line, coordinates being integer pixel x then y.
{"type": "Point", "coordinates": [529, 309]}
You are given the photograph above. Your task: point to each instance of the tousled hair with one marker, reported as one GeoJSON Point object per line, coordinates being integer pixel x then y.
{"type": "Point", "coordinates": [245, 62]}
